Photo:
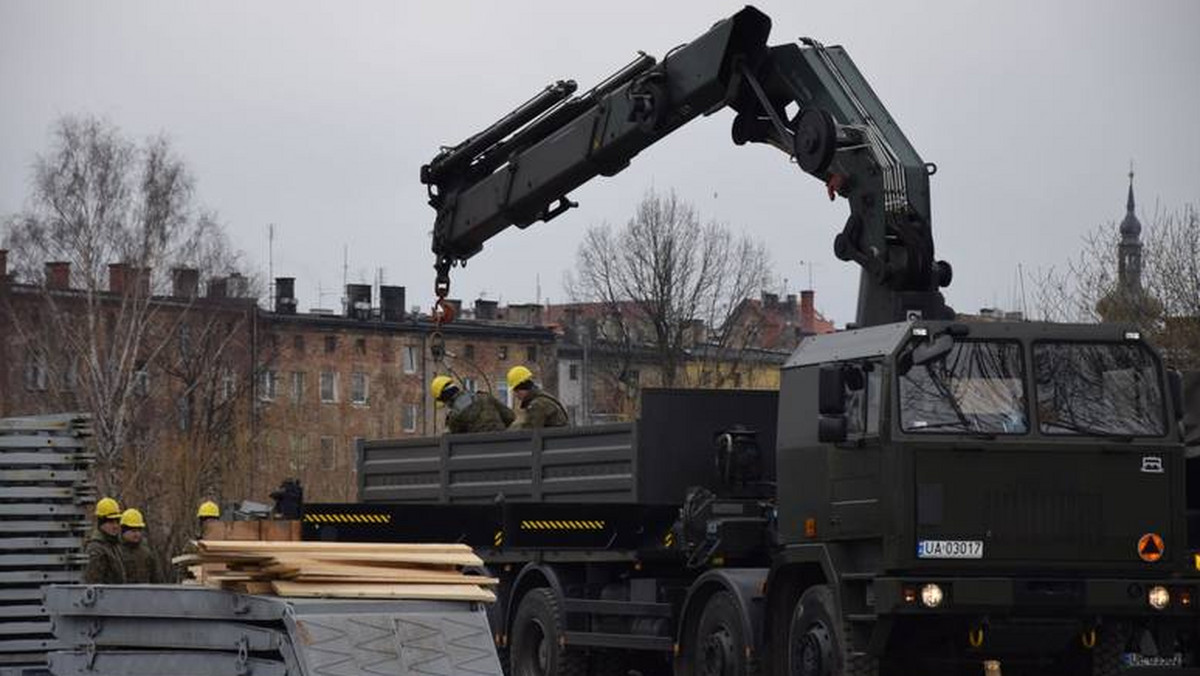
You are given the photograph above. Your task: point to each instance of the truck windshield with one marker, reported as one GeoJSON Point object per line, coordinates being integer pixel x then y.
{"type": "Point", "coordinates": [975, 387]}
{"type": "Point", "coordinates": [1098, 388]}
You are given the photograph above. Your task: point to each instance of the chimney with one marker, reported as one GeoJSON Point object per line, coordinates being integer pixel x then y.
{"type": "Point", "coordinates": [529, 314]}
{"type": "Point", "coordinates": [770, 300]}
{"type": "Point", "coordinates": [142, 279]}
{"type": "Point", "coordinates": [185, 282]}
{"type": "Point", "coordinates": [391, 303]}
{"type": "Point", "coordinates": [118, 277]}
{"type": "Point", "coordinates": [485, 309]}
{"type": "Point", "coordinates": [58, 275]}
{"type": "Point", "coordinates": [808, 313]}
{"type": "Point", "coordinates": [358, 301]}
{"type": "Point", "coordinates": [237, 286]}
{"type": "Point", "coordinates": [3, 264]}
{"type": "Point", "coordinates": [218, 287]}
{"type": "Point", "coordinates": [285, 295]}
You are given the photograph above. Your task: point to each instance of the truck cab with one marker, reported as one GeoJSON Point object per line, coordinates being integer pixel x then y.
{"type": "Point", "coordinates": [1017, 483]}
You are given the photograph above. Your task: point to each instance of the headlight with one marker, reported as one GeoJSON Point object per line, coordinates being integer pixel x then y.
{"type": "Point", "coordinates": [931, 595]}
{"type": "Point", "coordinates": [1159, 597]}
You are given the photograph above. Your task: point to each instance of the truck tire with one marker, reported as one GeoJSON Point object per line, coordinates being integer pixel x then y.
{"type": "Point", "coordinates": [719, 645]}
{"type": "Point", "coordinates": [816, 640]}
{"type": "Point", "coordinates": [536, 648]}
{"type": "Point", "coordinates": [1106, 656]}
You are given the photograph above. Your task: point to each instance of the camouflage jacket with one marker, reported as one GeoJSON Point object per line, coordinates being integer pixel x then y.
{"type": "Point", "coordinates": [478, 412]}
{"type": "Point", "coordinates": [104, 565]}
{"type": "Point", "coordinates": [140, 564]}
{"type": "Point", "coordinates": [542, 410]}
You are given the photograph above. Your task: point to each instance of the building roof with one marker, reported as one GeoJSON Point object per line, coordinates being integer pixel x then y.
{"type": "Point", "coordinates": [1131, 227]}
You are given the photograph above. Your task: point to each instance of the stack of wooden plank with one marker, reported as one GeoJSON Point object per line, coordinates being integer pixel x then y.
{"type": "Point", "coordinates": [340, 569]}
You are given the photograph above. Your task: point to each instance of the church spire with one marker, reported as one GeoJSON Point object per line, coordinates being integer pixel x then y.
{"type": "Point", "coordinates": [1131, 227]}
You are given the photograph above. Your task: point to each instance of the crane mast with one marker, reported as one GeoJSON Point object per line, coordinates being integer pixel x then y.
{"type": "Point", "coordinates": [807, 100]}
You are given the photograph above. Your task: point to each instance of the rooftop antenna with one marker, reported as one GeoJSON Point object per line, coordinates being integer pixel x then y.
{"type": "Point", "coordinates": [345, 277]}
{"type": "Point", "coordinates": [537, 298]}
{"type": "Point", "coordinates": [270, 263]}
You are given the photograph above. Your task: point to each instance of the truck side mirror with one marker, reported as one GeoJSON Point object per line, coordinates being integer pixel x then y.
{"type": "Point", "coordinates": [1175, 388]}
{"type": "Point", "coordinates": [831, 394]}
{"type": "Point", "coordinates": [831, 429]}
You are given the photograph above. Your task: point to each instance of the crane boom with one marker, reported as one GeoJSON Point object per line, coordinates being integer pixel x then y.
{"type": "Point", "coordinates": [807, 100]}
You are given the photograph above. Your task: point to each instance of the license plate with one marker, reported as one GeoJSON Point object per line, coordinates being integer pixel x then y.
{"type": "Point", "coordinates": [950, 549]}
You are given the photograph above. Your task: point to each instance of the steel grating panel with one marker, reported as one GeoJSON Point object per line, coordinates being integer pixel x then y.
{"type": "Point", "coordinates": [181, 601]}
{"type": "Point", "coordinates": [161, 633]}
{"type": "Point", "coordinates": [154, 663]}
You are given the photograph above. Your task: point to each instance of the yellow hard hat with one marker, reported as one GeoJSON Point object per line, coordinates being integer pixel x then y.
{"type": "Point", "coordinates": [518, 375]}
{"type": "Point", "coordinates": [439, 385]}
{"type": "Point", "coordinates": [107, 508]}
{"type": "Point", "coordinates": [132, 518]}
{"type": "Point", "coordinates": [208, 508]}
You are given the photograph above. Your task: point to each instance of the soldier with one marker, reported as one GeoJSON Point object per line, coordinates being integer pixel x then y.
{"type": "Point", "coordinates": [139, 562]}
{"type": "Point", "coordinates": [539, 409]}
{"type": "Point", "coordinates": [208, 511]}
{"type": "Point", "coordinates": [469, 411]}
{"type": "Point", "coordinates": [104, 564]}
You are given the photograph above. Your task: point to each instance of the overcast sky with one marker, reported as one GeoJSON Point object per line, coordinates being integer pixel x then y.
{"type": "Point", "coordinates": [317, 116]}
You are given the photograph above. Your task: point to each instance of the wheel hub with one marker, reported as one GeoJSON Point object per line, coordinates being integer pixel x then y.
{"type": "Point", "coordinates": [812, 653]}
{"type": "Point", "coordinates": [717, 653]}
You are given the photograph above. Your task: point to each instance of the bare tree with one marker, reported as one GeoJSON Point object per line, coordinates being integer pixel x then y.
{"type": "Point", "coordinates": [122, 216]}
{"type": "Point", "coordinates": [667, 282]}
{"type": "Point", "coordinates": [1167, 308]}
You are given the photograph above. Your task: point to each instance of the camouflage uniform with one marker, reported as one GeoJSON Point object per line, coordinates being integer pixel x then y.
{"type": "Point", "coordinates": [104, 565]}
{"type": "Point", "coordinates": [477, 412]}
{"type": "Point", "coordinates": [542, 410]}
{"type": "Point", "coordinates": [140, 564]}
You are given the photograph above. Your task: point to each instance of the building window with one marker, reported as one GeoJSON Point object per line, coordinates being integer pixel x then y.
{"type": "Point", "coordinates": [140, 381]}
{"type": "Point", "coordinates": [531, 353]}
{"type": "Point", "coordinates": [410, 359]}
{"type": "Point", "coordinates": [266, 390]}
{"type": "Point", "coordinates": [358, 387]}
{"type": "Point", "coordinates": [184, 412]}
{"type": "Point", "coordinates": [297, 386]}
{"type": "Point", "coordinates": [327, 453]}
{"type": "Point", "coordinates": [502, 391]}
{"type": "Point", "coordinates": [330, 344]}
{"type": "Point", "coordinates": [408, 419]}
{"type": "Point", "coordinates": [185, 339]}
{"type": "Point", "coordinates": [298, 343]}
{"type": "Point", "coordinates": [469, 351]}
{"type": "Point", "coordinates": [35, 372]}
{"type": "Point", "coordinates": [227, 385]}
{"type": "Point", "coordinates": [360, 345]}
{"type": "Point", "coordinates": [71, 376]}
{"type": "Point", "coordinates": [573, 371]}
{"type": "Point", "coordinates": [328, 387]}
{"type": "Point", "coordinates": [468, 384]}
{"type": "Point", "coordinates": [299, 452]}
{"type": "Point", "coordinates": [502, 352]}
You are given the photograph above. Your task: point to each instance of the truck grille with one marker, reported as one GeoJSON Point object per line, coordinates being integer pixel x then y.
{"type": "Point", "coordinates": [1022, 514]}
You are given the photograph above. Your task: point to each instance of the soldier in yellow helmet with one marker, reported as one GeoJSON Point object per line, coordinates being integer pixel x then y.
{"type": "Point", "coordinates": [469, 411]}
{"type": "Point", "coordinates": [207, 511]}
{"type": "Point", "coordinates": [538, 408]}
{"type": "Point", "coordinates": [104, 565]}
{"type": "Point", "coordinates": [140, 565]}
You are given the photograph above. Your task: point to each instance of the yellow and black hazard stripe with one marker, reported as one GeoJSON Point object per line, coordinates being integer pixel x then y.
{"type": "Point", "coordinates": [348, 518]}
{"type": "Point", "coordinates": [498, 538]}
{"type": "Point", "coordinates": [571, 524]}
{"type": "Point", "coordinates": [669, 539]}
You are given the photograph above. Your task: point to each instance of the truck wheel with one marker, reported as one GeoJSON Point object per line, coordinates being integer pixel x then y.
{"type": "Point", "coordinates": [1106, 656]}
{"type": "Point", "coordinates": [719, 646]}
{"type": "Point", "coordinates": [536, 649]}
{"type": "Point", "coordinates": [816, 642]}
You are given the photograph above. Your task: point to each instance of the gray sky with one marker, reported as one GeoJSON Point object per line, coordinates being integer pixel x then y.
{"type": "Point", "coordinates": [317, 116]}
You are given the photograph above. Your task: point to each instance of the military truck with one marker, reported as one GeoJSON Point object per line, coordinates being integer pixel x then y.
{"type": "Point", "coordinates": [922, 494]}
